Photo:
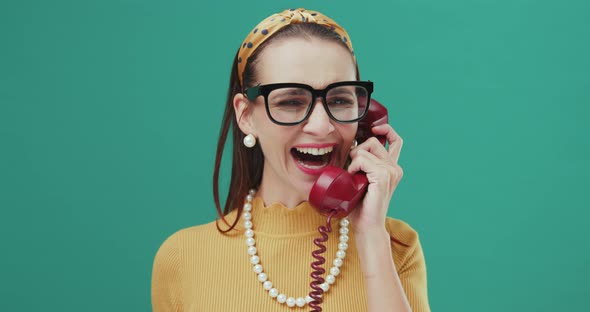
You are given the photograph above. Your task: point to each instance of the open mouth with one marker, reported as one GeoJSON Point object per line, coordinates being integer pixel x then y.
{"type": "Point", "coordinates": [312, 157]}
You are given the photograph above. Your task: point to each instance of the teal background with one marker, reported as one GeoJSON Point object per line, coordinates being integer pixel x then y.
{"type": "Point", "coordinates": [109, 113]}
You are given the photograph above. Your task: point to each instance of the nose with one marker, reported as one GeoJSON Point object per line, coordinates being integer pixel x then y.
{"type": "Point", "coordinates": [318, 123]}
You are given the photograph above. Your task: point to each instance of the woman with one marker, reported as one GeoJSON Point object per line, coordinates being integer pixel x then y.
{"type": "Point", "coordinates": [292, 114]}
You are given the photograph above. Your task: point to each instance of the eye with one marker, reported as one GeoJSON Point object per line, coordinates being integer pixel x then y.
{"type": "Point", "coordinates": [291, 102]}
{"type": "Point", "coordinates": [341, 101]}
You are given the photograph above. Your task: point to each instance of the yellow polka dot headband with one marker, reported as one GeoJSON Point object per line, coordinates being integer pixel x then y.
{"type": "Point", "coordinates": [277, 21]}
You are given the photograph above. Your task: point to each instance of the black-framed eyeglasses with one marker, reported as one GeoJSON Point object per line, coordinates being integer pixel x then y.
{"type": "Point", "coordinates": [291, 103]}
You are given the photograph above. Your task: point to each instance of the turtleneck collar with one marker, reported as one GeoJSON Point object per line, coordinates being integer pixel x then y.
{"type": "Point", "coordinates": [277, 219]}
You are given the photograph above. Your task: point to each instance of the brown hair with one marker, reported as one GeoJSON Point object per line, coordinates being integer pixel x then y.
{"type": "Point", "coordinates": [248, 163]}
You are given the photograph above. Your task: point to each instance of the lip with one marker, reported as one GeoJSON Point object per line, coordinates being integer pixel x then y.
{"type": "Point", "coordinates": [317, 171]}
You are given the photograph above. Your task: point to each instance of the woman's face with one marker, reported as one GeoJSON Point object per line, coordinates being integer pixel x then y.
{"type": "Point", "coordinates": [289, 170]}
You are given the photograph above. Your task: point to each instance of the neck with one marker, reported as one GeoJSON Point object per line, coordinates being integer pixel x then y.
{"type": "Point", "coordinates": [272, 195]}
{"type": "Point", "coordinates": [273, 189]}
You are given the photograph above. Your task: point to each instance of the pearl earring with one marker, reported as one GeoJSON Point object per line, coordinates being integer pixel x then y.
{"type": "Point", "coordinates": [249, 141]}
{"type": "Point", "coordinates": [354, 144]}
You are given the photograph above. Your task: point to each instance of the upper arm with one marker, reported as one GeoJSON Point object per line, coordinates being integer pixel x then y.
{"type": "Point", "coordinates": [166, 274]}
{"type": "Point", "coordinates": [410, 264]}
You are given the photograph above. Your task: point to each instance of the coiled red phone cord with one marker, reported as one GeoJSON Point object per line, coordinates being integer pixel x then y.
{"type": "Point", "coordinates": [318, 270]}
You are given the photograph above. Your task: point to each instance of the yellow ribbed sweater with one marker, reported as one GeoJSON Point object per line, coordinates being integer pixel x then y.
{"type": "Point", "coordinates": [200, 269]}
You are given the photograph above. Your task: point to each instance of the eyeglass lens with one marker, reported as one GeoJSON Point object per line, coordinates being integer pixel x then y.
{"type": "Point", "coordinates": [291, 105]}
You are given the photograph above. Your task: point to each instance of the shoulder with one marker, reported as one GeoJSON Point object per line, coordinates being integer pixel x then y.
{"type": "Point", "coordinates": [401, 231]}
{"type": "Point", "coordinates": [188, 235]}
{"type": "Point", "coordinates": [174, 262]}
{"type": "Point", "coordinates": [406, 245]}
{"type": "Point", "coordinates": [410, 263]}
{"type": "Point", "coordinates": [197, 239]}
{"type": "Point", "coordinates": [184, 240]}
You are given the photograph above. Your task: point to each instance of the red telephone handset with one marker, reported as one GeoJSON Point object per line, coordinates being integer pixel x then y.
{"type": "Point", "coordinates": [335, 188]}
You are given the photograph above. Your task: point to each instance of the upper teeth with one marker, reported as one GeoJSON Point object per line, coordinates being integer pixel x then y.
{"type": "Point", "coordinates": [315, 151]}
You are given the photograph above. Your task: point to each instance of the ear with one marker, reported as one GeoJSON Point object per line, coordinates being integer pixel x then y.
{"type": "Point", "coordinates": [244, 111]}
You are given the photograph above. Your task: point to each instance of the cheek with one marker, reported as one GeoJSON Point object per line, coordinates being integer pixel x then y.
{"type": "Point", "coordinates": [348, 133]}
{"type": "Point", "coordinates": [258, 117]}
{"type": "Point", "coordinates": [275, 140]}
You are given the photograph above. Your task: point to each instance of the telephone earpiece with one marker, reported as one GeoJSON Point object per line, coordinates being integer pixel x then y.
{"type": "Point", "coordinates": [336, 189]}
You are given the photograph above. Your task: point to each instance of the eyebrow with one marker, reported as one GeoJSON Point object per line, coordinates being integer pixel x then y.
{"type": "Point", "coordinates": [342, 91]}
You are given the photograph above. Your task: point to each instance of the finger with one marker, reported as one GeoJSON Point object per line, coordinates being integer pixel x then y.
{"type": "Point", "coordinates": [364, 161]}
{"type": "Point", "coordinates": [395, 149]}
{"type": "Point", "coordinates": [394, 140]}
{"type": "Point", "coordinates": [373, 146]}
{"type": "Point", "coordinates": [386, 176]}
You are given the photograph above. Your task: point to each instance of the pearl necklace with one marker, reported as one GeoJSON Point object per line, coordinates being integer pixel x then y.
{"type": "Point", "coordinates": [263, 278]}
